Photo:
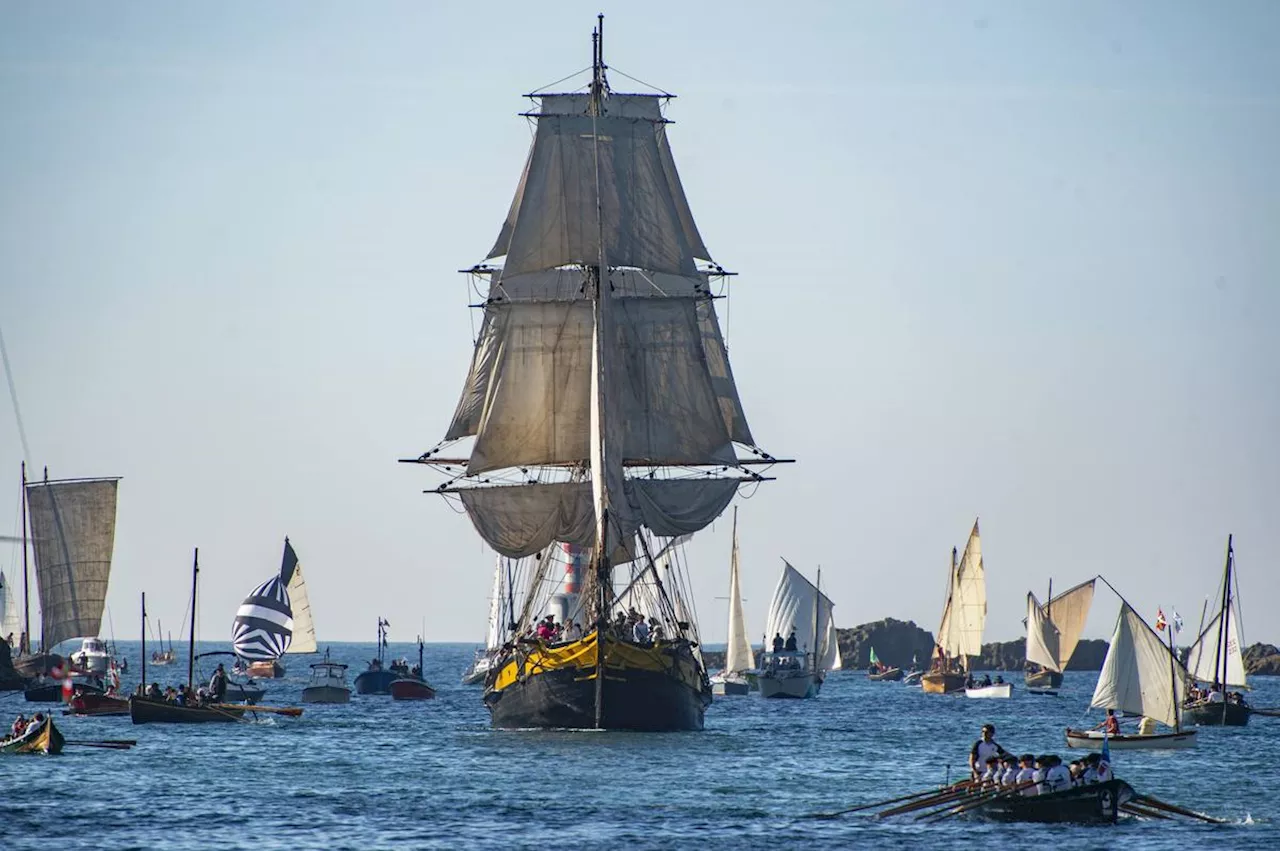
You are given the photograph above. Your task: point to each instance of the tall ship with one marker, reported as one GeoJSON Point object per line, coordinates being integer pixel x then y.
{"type": "Point", "coordinates": [964, 616]}
{"type": "Point", "coordinates": [603, 420]}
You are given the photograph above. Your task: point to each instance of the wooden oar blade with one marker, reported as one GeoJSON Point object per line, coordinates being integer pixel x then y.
{"type": "Point", "coordinates": [1174, 808]}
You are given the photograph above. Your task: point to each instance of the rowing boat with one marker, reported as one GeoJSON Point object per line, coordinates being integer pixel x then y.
{"type": "Point", "coordinates": [887, 675]}
{"type": "Point", "coordinates": [93, 703]}
{"type": "Point", "coordinates": [146, 711]}
{"type": "Point", "coordinates": [1092, 740]}
{"type": "Point", "coordinates": [39, 738]}
{"type": "Point", "coordinates": [1095, 803]}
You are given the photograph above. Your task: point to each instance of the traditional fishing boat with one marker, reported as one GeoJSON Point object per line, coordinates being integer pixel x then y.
{"type": "Point", "coordinates": [604, 416]}
{"type": "Point", "coordinates": [1140, 676]}
{"type": "Point", "coordinates": [1053, 631]}
{"type": "Point", "coordinates": [263, 630]}
{"type": "Point", "coordinates": [739, 661]}
{"type": "Point", "coordinates": [247, 690]}
{"type": "Point", "coordinates": [378, 678]}
{"type": "Point", "coordinates": [96, 703]}
{"type": "Point", "coordinates": [803, 613]}
{"type": "Point", "coordinates": [413, 686]}
{"type": "Point", "coordinates": [41, 738]}
{"type": "Point", "coordinates": [1215, 663]}
{"type": "Point", "coordinates": [56, 687]}
{"type": "Point", "coordinates": [964, 616]}
{"type": "Point", "coordinates": [498, 613]}
{"type": "Point", "coordinates": [328, 683]}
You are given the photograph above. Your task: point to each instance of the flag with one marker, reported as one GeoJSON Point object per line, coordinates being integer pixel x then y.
{"type": "Point", "coordinates": [874, 660]}
{"type": "Point", "coordinates": [1177, 621]}
{"type": "Point", "coordinates": [1106, 748]}
{"type": "Point", "coordinates": [1161, 623]}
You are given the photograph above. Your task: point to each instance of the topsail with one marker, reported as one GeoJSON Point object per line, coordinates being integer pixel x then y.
{"type": "Point", "coordinates": [73, 528]}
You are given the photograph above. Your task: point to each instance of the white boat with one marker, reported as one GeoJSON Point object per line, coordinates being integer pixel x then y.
{"type": "Point", "coordinates": [483, 660]}
{"type": "Point", "coordinates": [996, 690]}
{"type": "Point", "coordinates": [328, 683]}
{"type": "Point", "coordinates": [799, 609]}
{"type": "Point", "coordinates": [92, 657]}
{"type": "Point", "coordinates": [1140, 676]}
{"type": "Point", "coordinates": [1053, 631]}
{"type": "Point", "coordinates": [738, 658]}
{"type": "Point", "coordinates": [964, 616]}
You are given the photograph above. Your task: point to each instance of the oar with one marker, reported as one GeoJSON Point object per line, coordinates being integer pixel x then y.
{"type": "Point", "coordinates": [1136, 810]}
{"type": "Point", "coordinates": [1173, 808]}
{"type": "Point", "coordinates": [927, 792]}
{"type": "Point", "coordinates": [1269, 712]}
{"type": "Point", "coordinates": [291, 711]}
{"type": "Point", "coordinates": [108, 745]}
{"type": "Point", "coordinates": [982, 802]}
{"type": "Point", "coordinates": [934, 800]}
{"type": "Point", "coordinates": [128, 743]}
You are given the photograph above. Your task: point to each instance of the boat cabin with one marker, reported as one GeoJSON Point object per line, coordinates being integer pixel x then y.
{"type": "Point", "coordinates": [785, 663]}
{"type": "Point", "coordinates": [328, 674]}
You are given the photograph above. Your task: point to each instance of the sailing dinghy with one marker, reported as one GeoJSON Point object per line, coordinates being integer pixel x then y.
{"type": "Point", "coordinates": [738, 658]}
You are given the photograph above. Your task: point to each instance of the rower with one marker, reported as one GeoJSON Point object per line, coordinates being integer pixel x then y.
{"type": "Point", "coordinates": [983, 749]}
{"type": "Point", "coordinates": [1057, 778]}
{"type": "Point", "coordinates": [1042, 772]}
{"type": "Point", "coordinates": [1009, 776]}
{"type": "Point", "coordinates": [1027, 772]}
{"type": "Point", "coordinates": [991, 776]}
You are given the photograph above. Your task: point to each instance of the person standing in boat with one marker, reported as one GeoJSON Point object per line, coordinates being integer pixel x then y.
{"type": "Point", "coordinates": [983, 749]}
{"type": "Point", "coordinates": [218, 684]}
{"type": "Point", "coordinates": [791, 641]}
{"type": "Point", "coordinates": [778, 643]}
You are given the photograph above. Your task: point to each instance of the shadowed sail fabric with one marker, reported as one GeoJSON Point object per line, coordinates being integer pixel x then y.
{"type": "Point", "coordinates": [73, 529]}
{"type": "Point", "coordinates": [304, 629]}
{"type": "Point", "coordinates": [263, 626]}
{"type": "Point", "coordinates": [1042, 636]}
{"type": "Point", "coordinates": [1136, 674]}
{"type": "Point", "coordinates": [738, 656]}
{"type": "Point", "coordinates": [1069, 611]}
{"type": "Point", "coordinates": [1203, 661]}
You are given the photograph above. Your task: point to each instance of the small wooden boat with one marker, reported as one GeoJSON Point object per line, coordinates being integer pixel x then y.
{"type": "Point", "coordinates": [1202, 713]}
{"type": "Point", "coordinates": [328, 683]}
{"type": "Point", "coordinates": [265, 669]}
{"type": "Point", "coordinates": [995, 690]}
{"type": "Point", "coordinates": [738, 656]}
{"type": "Point", "coordinates": [94, 703]}
{"type": "Point", "coordinates": [942, 682]}
{"type": "Point", "coordinates": [886, 675]}
{"type": "Point", "coordinates": [1091, 740]}
{"type": "Point", "coordinates": [144, 710]}
{"type": "Point", "coordinates": [1053, 631]}
{"type": "Point", "coordinates": [39, 738]}
{"type": "Point", "coordinates": [412, 686]}
{"type": "Point", "coordinates": [1095, 803]}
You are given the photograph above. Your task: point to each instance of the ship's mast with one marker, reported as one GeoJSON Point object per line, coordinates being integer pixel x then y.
{"type": "Point", "coordinates": [24, 646]}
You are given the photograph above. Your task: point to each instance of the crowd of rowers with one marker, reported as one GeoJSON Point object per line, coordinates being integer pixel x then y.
{"type": "Point", "coordinates": [993, 767]}
{"type": "Point", "coordinates": [22, 725]}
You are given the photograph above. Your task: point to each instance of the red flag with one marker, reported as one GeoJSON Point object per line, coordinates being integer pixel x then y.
{"type": "Point", "coordinates": [1161, 623]}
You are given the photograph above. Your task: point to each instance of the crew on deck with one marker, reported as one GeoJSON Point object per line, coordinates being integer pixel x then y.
{"type": "Point", "coordinates": [791, 641]}
{"type": "Point", "coordinates": [777, 642]}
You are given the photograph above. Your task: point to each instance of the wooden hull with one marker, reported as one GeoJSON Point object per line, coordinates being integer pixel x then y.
{"type": "Point", "coordinates": [269, 670]}
{"type": "Point", "coordinates": [91, 703]}
{"type": "Point", "coordinates": [326, 694]}
{"type": "Point", "coordinates": [1096, 803]}
{"type": "Point", "coordinates": [942, 683]}
{"type": "Point", "coordinates": [999, 691]}
{"type": "Point", "coordinates": [654, 688]}
{"type": "Point", "coordinates": [411, 689]}
{"type": "Point", "coordinates": [1043, 680]}
{"type": "Point", "coordinates": [144, 711]}
{"type": "Point", "coordinates": [44, 739]}
{"type": "Point", "coordinates": [1202, 713]}
{"type": "Point", "coordinates": [1091, 740]}
{"type": "Point", "coordinates": [891, 675]}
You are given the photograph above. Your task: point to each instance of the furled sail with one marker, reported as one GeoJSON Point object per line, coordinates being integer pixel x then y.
{"type": "Point", "coordinates": [1140, 675]}
{"type": "Point", "coordinates": [965, 615]}
{"type": "Point", "coordinates": [1204, 663]}
{"type": "Point", "coordinates": [792, 609]}
{"type": "Point", "coordinates": [1069, 611]}
{"type": "Point", "coordinates": [304, 628]}
{"type": "Point", "coordinates": [263, 625]}
{"type": "Point", "coordinates": [1042, 636]}
{"type": "Point", "coordinates": [738, 656]}
{"type": "Point", "coordinates": [73, 527]}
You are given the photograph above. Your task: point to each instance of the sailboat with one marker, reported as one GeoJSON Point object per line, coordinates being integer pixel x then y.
{"type": "Point", "coordinates": [1053, 631]}
{"type": "Point", "coordinates": [10, 621]}
{"type": "Point", "coordinates": [1140, 676]}
{"type": "Point", "coordinates": [1214, 661]}
{"type": "Point", "coordinates": [964, 616]}
{"type": "Point", "coordinates": [878, 671]}
{"type": "Point", "coordinates": [483, 660]}
{"type": "Point", "coordinates": [604, 417]}
{"type": "Point", "coordinates": [163, 656]}
{"type": "Point", "coordinates": [738, 658]}
{"type": "Point", "coordinates": [263, 629]}
{"type": "Point", "coordinates": [304, 628]}
{"type": "Point", "coordinates": [803, 613]}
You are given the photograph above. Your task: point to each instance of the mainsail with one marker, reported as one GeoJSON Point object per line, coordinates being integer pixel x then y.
{"type": "Point", "coordinates": [1203, 662]}
{"type": "Point", "coordinates": [1069, 611]}
{"type": "Point", "coordinates": [792, 608]}
{"type": "Point", "coordinates": [738, 656]}
{"type": "Point", "coordinates": [73, 528]}
{"type": "Point", "coordinates": [1043, 639]}
{"type": "Point", "coordinates": [1140, 675]}
{"type": "Point", "coordinates": [263, 625]}
{"type": "Point", "coordinates": [304, 628]}
{"type": "Point", "coordinates": [10, 622]}
{"type": "Point", "coordinates": [965, 614]}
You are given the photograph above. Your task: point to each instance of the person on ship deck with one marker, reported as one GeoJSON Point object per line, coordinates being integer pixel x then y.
{"type": "Point", "coordinates": [791, 641]}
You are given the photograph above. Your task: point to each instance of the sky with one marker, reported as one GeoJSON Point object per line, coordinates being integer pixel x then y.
{"type": "Point", "coordinates": [1014, 261]}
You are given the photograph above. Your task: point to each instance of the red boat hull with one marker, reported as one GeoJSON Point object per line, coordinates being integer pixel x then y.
{"type": "Point", "coordinates": [404, 689]}
{"type": "Point", "coordinates": [91, 703]}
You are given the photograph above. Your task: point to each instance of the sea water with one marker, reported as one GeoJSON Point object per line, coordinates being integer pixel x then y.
{"type": "Point", "coordinates": [377, 773]}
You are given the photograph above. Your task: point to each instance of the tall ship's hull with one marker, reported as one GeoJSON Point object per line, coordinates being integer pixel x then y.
{"type": "Point", "coordinates": [942, 683]}
{"type": "Point", "coordinates": [657, 688]}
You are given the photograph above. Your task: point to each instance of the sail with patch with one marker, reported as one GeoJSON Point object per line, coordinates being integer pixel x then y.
{"type": "Point", "coordinates": [263, 626]}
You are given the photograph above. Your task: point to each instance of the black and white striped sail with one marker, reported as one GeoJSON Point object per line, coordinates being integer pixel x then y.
{"type": "Point", "coordinates": [264, 623]}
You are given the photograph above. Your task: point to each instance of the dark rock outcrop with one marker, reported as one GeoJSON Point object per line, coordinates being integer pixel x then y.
{"type": "Point", "coordinates": [9, 678]}
{"type": "Point", "coordinates": [896, 642]}
{"type": "Point", "coordinates": [1262, 660]}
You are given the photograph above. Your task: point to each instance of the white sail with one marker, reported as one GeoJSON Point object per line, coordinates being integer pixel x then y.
{"type": "Point", "coordinates": [1140, 675]}
{"type": "Point", "coordinates": [10, 621]}
{"type": "Point", "coordinates": [1069, 611]}
{"type": "Point", "coordinates": [738, 656]}
{"type": "Point", "coordinates": [73, 528]}
{"type": "Point", "coordinates": [1203, 662]}
{"type": "Point", "coordinates": [832, 660]}
{"type": "Point", "coordinates": [1042, 636]}
{"type": "Point", "coordinates": [493, 635]}
{"type": "Point", "coordinates": [792, 609]}
{"type": "Point", "coordinates": [965, 616]}
{"type": "Point", "coordinates": [304, 628]}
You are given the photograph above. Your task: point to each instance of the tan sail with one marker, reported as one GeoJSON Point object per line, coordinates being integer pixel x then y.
{"type": "Point", "coordinates": [738, 656]}
{"type": "Point", "coordinates": [1069, 611]}
{"type": "Point", "coordinates": [1042, 636]}
{"type": "Point", "coordinates": [965, 615]}
{"type": "Point", "coordinates": [304, 628]}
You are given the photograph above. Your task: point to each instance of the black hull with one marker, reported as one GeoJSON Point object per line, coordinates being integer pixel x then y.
{"type": "Point", "coordinates": [375, 682]}
{"type": "Point", "coordinates": [1097, 803]}
{"type": "Point", "coordinates": [650, 701]}
{"type": "Point", "coordinates": [144, 711]}
{"type": "Point", "coordinates": [1205, 714]}
{"type": "Point", "coordinates": [890, 676]}
{"type": "Point", "coordinates": [1043, 679]}
{"type": "Point", "coordinates": [52, 692]}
